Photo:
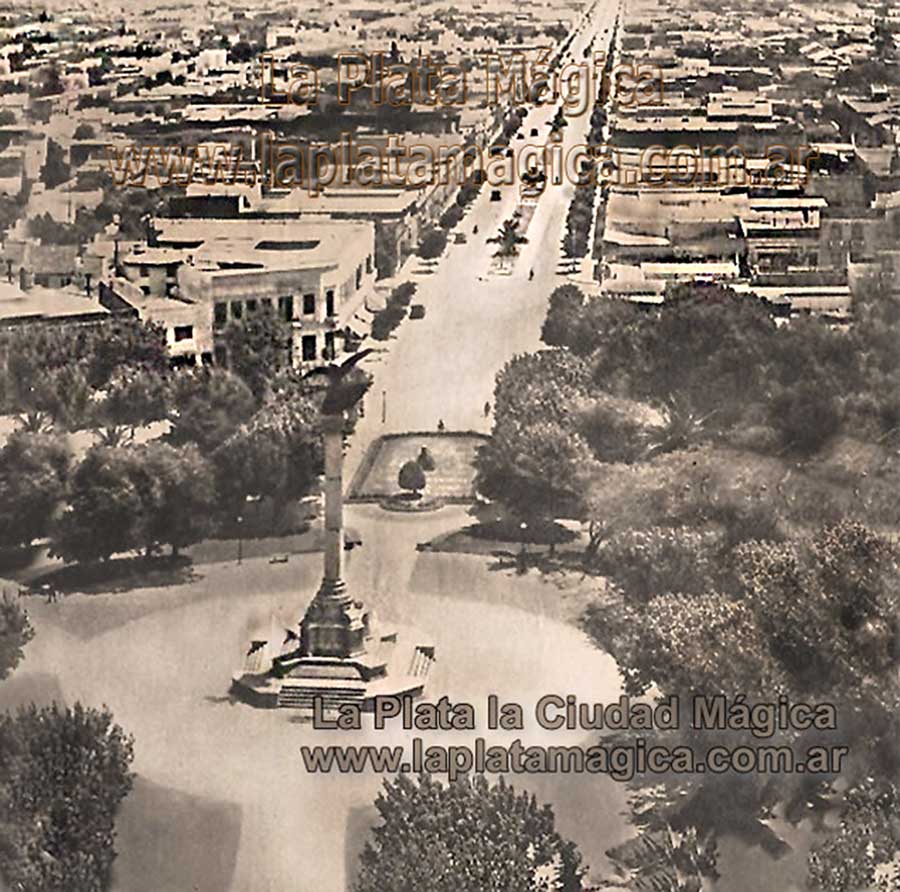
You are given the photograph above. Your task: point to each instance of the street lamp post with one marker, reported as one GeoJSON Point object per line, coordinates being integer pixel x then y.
{"type": "Point", "coordinates": [240, 554]}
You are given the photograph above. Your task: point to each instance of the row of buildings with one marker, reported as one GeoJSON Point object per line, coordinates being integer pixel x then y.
{"type": "Point", "coordinates": [769, 161]}
{"type": "Point", "coordinates": [82, 88]}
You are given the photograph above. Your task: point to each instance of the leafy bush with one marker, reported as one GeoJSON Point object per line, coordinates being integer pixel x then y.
{"type": "Point", "coordinates": [432, 244]}
{"type": "Point", "coordinates": [451, 216]}
{"type": "Point", "coordinates": [659, 560]}
{"type": "Point", "coordinates": [411, 477]}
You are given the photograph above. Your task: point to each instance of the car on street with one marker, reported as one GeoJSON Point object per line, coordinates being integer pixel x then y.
{"type": "Point", "coordinates": [460, 238]}
{"type": "Point", "coordinates": [495, 195]}
{"type": "Point", "coordinates": [417, 311]}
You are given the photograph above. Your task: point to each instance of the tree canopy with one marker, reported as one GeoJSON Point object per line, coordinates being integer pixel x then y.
{"type": "Point", "coordinates": [467, 836]}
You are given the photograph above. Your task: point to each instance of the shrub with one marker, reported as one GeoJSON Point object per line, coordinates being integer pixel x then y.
{"type": "Point", "coordinates": [451, 216]}
{"type": "Point", "coordinates": [660, 560]}
{"type": "Point", "coordinates": [432, 244]}
{"type": "Point", "coordinates": [412, 477]}
{"type": "Point", "coordinates": [426, 460]}
{"type": "Point", "coordinates": [806, 416]}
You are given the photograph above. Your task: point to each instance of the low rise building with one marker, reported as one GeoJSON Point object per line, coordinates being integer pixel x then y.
{"type": "Point", "coordinates": [202, 275]}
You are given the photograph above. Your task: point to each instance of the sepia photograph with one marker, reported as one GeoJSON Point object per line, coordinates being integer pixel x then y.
{"type": "Point", "coordinates": [450, 446]}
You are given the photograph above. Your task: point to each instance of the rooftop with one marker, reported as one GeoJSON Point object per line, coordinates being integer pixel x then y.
{"type": "Point", "coordinates": [36, 303]}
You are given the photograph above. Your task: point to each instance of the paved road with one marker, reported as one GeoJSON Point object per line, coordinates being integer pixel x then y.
{"type": "Point", "coordinates": [443, 366]}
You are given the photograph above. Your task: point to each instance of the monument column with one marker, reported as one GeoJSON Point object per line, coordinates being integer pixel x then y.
{"type": "Point", "coordinates": [334, 625]}
{"type": "Point", "coordinates": [333, 427]}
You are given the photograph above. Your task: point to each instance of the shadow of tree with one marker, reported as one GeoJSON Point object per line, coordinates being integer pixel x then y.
{"type": "Point", "coordinates": [118, 575]}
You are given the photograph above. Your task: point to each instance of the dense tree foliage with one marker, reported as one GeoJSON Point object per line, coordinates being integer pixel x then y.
{"type": "Point", "coordinates": [136, 499]}
{"type": "Point", "coordinates": [432, 244]}
{"type": "Point", "coordinates": [104, 511]}
{"type": "Point", "coordinates": [467, 836]}
{"type": "Point", "coordinates": [534, 459]}
{"type": "Point", "coordinates": [865, 850]}
{"type": "Point", "coordinates": [47, 374]}
{"type": "Point", "coordinates": [208, 406]}
{"type": "Point", "coordinates": [131, 399]}
{"type": "Point", "coordinates": [736, 480]}
{"type": "Point", "coordinates": [63, 774]}
{"type": "Point", "coordinates": [34, 472]}
{"type": "Point", "coordinates": [178, 496]}
{"type": "Point", "coordinates": [258, 348]}
{"type": "Point", "coordinates": [277, 454]}
{"type": "Point", "coordinates": [15, 633]}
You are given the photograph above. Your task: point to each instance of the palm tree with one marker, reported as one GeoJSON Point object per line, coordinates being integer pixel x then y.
{"type": "Point", "coordinates": [682, 426]}
{"type": "Point", "coordinates": [509, 240]}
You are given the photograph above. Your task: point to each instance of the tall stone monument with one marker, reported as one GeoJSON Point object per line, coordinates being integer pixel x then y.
{"type": "Point", "coordinates": [341, 656]}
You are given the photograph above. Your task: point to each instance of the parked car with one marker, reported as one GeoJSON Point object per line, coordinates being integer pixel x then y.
{"type": "Point", "coordinates": [460, 238]}
{"type": "Point", "coordinates": [534, 131]}
{"type": "Point", "coordinates": [495, 195]}
{"type": "Point", "coordinates": [417, 311]}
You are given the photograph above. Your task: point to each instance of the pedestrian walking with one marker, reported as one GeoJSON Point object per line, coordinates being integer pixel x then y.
{"type": "Point", "coordinates": [441, 425]}
{"type": "Point", "coordinates": [487, 409]}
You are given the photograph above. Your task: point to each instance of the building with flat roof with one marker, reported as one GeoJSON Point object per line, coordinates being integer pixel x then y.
{"type": "Point", "coordinates": [22, 303]}
{"type": "Point", "coordinates": [203, 274]}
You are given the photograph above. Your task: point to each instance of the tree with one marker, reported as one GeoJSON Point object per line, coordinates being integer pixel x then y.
{"type": "Point", "coordinates": [208, 406]}
{"type": "Point", "coordinates": [563, 314]}
{"type": "Point", "coordinates": [251, 463]}
{"type": "Point", "coordinates": [432, 244]}
{"type": "Point", "coordinates": [63, 774]}
{"type": "Point", "coordinates": [48, 374]}
{"type": "Point", "coordinates": [84, 131]}
{"type": "Point", "coordinates": [725, 345]}
{"type": "Point", "coordinates": [818, 618]}
{"type": "Point", "coordinates": [134, 397]}
{"type": "Point", "coordinates": [45, 397]}
{"type": "Point", "coordinates": [34, 472]}
{"type": "Point", "coordinates": [105, 509]}
{"type": "Point", "coordinates": [15, 633]}
{"type": "Point", "coordinates": [126, 342]}
{"type": "Point", "coordinates": [412, 478]}
{"type": "Point", "coordinates": [56, 170]}
{"type": "Point", "coordinates": [649, 562]}
{"type": "Point", "coordinates": [535, 460]}
{"type": "Point", "coordinates": [617, 430]}
{"type": "Point", "coordinates": [665, 858]}
{"type": "Point", "coordinates": [467, 836]}
{"type": "Point", "coordinates": [258, 347]}
{"type": "Point", "coordinates": [178, 495]}
{"type": "Point", "coordinates": [451, 217]}
{"type": "Point", "coordinates": [509, 239]}
{"type": "Point", "coordinates": [242, 51]}
{"type": "Point", "coordinates": [47, 82]}
{"type": "Point", "coordinates": [277, 454]}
